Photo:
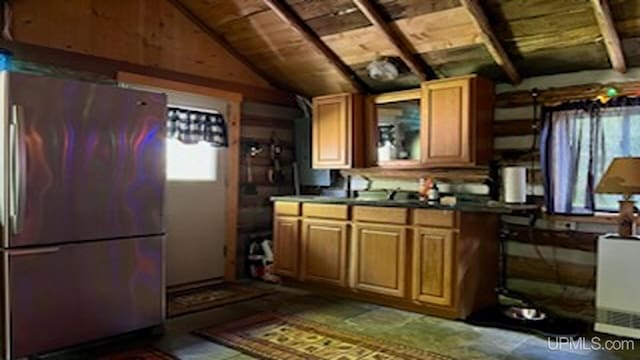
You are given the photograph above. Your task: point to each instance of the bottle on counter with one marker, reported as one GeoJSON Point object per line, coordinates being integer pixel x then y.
{"type": "Point", "coordinates": [423, 188]}
{"type": "Point", "coordinates": [433, 195]}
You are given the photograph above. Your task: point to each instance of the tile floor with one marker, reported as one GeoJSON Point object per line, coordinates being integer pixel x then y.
{"type": "Point", "coordinates": [452, 338]}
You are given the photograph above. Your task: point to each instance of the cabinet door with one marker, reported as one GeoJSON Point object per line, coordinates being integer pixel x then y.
{"type": "Point", "coordinates": [446, 126]}
{"type": "Point", "coordinates": [332, 132]}
{"type": "Point", "coordinates": [433, 259]}
{"type": "Point", "coordinates": [324, 251]}
{"type": "Point", "coordinates": [286, 241]}
{"type": "Point", "coordinates": [379, 254]}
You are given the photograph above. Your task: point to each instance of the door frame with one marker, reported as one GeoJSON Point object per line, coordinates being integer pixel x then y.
{"type": "Point", "coordinates": [233, 160]}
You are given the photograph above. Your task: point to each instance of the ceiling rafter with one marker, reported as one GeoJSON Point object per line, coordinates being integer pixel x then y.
{"type": "Point", "coordinates": [289, 16]}
{"type": "Point", "coordinates": [213, 35]}
{"type": "Point", "coordinates": [397, 40]}
{"type": "Point", "coordinates": [490, 39]}
{"type": "Point", "coordinates": [608, 30]}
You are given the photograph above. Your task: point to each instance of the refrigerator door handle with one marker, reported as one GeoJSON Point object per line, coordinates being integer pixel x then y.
{"type": "Point", "coordinates": [35, 251]}
{"type": "Point", "coordinates": [18, 165]}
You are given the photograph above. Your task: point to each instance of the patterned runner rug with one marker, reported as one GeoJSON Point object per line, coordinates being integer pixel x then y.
{"type": "Point", "coordinates": [208, 297]}
{"type": "Point", "coordinates": [284, 337]}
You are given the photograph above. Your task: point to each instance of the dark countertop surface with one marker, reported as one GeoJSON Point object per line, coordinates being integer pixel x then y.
{"type": "Point", "coordinates": [494, 207]}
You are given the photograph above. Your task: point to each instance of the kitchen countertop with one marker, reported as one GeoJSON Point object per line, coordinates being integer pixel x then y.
{"type": "Point", "coordinates": [461, 206]}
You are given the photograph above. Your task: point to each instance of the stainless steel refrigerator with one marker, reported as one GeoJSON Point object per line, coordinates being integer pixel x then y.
{"type": "Point", "coordinates": [82, 194]}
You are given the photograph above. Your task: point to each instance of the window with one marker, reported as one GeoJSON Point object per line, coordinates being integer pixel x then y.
{"type": "Point", "coordinates": [194, 139]}
{"type": "Point", "coordinates": [579, 142]}
{"type": "Point", "coordinates": [191, 162]}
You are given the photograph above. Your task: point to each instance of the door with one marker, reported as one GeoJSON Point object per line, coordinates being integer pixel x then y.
{"type": "Point", "coordinates": [62, 296]}
{"type": "Point", "coordinates": [286, 240]}
{"type": "Point", "coordinates": [196, 212]}
{"type": "Point", "coordinates": [446, 123]}
{"type": "Point", "coordinates": [88, 160]}
{"type": "Point", "coordinates": [433, 259]}
{"type": "Point", "coordinates": [332, 131]}
{"type": "Point", "coordinates": [324, 252]}
{"type": "Point", "coordinates": [379, 258]}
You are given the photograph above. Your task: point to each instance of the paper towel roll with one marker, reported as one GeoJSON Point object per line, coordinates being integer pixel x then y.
{"type": "Point", "coordinates": [514, 179]}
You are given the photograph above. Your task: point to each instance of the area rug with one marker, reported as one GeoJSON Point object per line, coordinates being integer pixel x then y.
{"type": "Point", "coordinates": [193, 300]}
{"type": "Point", "coordinates": [286, 337]}
{"type": "Point", "coordinates": [140, 354]}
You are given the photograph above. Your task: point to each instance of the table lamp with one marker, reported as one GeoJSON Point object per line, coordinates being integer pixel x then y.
{"type": "Point", "coordinates": [623, 177]}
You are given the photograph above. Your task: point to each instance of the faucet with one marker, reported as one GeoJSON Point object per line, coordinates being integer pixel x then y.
{"type": "Point", "coordinates": [391, 194]}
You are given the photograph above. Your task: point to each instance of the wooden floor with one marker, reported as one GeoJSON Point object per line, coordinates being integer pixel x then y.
{"type": "Point", "coordinates": [452, 338]}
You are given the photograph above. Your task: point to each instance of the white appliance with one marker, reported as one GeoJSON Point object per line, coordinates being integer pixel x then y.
{"type": "Point", "coordinates": [617, 286]}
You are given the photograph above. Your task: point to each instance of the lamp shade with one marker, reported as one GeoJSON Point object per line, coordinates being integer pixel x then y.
{"type": "Point", "coordinates": [622, 177]}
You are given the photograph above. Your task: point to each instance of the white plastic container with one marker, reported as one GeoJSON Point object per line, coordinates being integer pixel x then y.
{"type": "Point", "coordinates": [514, 179]}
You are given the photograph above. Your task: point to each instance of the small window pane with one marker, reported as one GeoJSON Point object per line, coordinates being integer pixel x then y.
{"type": "Point", "coordinates": [192, 162]}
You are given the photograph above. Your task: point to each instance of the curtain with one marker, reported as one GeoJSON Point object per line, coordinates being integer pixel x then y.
{"type": "Point", "coordinates": [578, 142]}
{"type": "Point", "coordinates": [192, 127]}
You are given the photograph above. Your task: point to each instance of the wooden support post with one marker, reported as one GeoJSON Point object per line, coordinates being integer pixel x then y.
{"type": "Point", "coordinates": [397, 40]}
{"type": "Point", "coordinates": [610, 35]}
{"type": "Point", "coordinates": [217, 38]}
{"type": "Point", "coordinates": [490, 39]}
{"type": "Point", "coordinates": [294, 21]}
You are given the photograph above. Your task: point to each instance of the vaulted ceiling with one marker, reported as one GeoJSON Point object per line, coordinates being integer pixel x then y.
{"type": "Point", "coordinates": [537, 37]}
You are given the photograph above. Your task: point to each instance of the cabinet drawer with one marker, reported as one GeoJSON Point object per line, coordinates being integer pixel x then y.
{"type": "Point", "coordinates": [326, 211]}
{"type": "Point", "coordinates": [62, 286]}
{"type": "Point", "coordinates": [380, 214]}
{"type": "Point", "coordinates": [436, 218]}
{"type": "Point", "coordinates": [287, 208]}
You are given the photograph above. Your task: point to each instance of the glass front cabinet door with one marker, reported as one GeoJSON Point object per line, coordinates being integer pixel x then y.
{"type": "Point", "coordinates": [396, 129]}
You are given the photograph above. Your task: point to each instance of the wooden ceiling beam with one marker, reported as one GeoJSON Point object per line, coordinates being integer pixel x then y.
{"type": "Point", "coordinates": [397, 40]}
{"type": "Point", "coordinates": [292, 19]}
{"type": "Point", "coordinates": [213, 35]}
{"type": "Point", "coordinates": [610, 35]}
{"type": "Point", "coordinates": [490, 39]}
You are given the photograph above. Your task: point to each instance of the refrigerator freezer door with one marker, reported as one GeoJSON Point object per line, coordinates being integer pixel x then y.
{"type": "Point", "coordinates": [91, 160]}
{"type": "Point", "coordinates": [66, 295]}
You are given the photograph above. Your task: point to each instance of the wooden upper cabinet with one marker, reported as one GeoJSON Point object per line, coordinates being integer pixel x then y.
{"type": "Point", "coordinates": [379, 258]}
{"type": "Point", "coordinates": [286, 240]}
{"type": "Point", "coordinates": [324, 252]}
{"type": "Point", "coordinates": [433, 266]}
{"type": "Point", "coordinates": [338, 137]}
{"type": "Point", "coordinates": [456, 119]}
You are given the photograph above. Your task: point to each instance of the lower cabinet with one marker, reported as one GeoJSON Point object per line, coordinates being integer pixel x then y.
{"type": "Point", "coordinates": [433, 270]}
{"type": "Point", "coordinates": [324, 252]}
{"type": "Point", "coordinates": [379, 258]}
{"type": "Point", "coordinates": [286, 251]}
{"type": "Point", "coordinates": [428, 260]}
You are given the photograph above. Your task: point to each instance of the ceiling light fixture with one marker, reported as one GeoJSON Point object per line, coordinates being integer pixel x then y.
{"type": "Point", "coordinates": [382, 69]}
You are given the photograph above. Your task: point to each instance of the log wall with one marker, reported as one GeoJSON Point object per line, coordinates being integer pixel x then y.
{"type": "Point", "coordinates": [258, 124]}
{"type": "Point", "coordinates": [553, 265]}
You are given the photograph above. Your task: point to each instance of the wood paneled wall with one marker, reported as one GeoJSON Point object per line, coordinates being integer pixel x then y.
{"type": "Point", "coordinates": [145, 32]}
{"type": "Point", "coordinates": [259, 123]}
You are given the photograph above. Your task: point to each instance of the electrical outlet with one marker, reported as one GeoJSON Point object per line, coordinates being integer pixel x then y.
{"type": "Point", "coordinates": [564, 225]}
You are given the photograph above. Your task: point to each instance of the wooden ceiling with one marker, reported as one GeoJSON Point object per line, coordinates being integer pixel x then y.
{"type": "Point", "coordinates": [287, 40]}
